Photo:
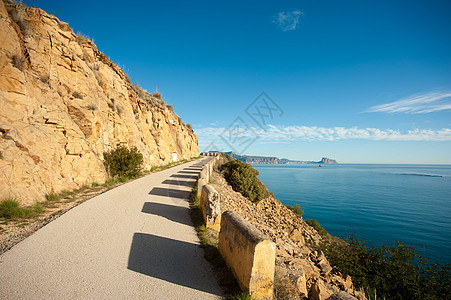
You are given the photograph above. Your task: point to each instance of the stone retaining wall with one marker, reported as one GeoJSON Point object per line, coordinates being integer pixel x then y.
{"type": "Point", "coordinates": [205, 173]}
{"type": "Point", "coordinates": [210, 205]}
{"type": "Point", "coordinates": [249, 254]}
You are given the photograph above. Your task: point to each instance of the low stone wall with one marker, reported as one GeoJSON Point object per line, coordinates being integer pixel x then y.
{"type": "Point", "coordinates": [210, 154]}
{"type": "Point", "coordinates": [249, 254]}
{"type": "Point", "coordinates": [210, 205]}
{"type": "Point", "coordinates": [201, 181]}
{"type": "Point", "coordinates": [205, 173]}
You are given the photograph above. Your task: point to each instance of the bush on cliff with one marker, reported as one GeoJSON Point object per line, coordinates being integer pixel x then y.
{"type": "Point", "coordinates": [395, 272]}
{"type": "Point", "coordinates": [10, 209]}
{"type": "Point", "coordinates": [122, 162]}
{"type": "Point", "coordinates": [317, 227]}
{"type": "Point", "coordinates": [243, 178]}
{"type": "Point", "coordinates": [296, 209]}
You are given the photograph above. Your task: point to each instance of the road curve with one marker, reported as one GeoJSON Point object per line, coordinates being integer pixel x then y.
{"type": "Point", "coordinates": [136, 241]}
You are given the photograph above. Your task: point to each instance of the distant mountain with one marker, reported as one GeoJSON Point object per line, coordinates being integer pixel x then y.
{"type": "Point", "coordinates": [274, 160]}
{"type": "Point", "coordinates": [327, 161]}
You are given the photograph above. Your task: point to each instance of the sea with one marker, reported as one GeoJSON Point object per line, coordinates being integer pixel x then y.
{"type": "Point", "coordinates": [380, 204]}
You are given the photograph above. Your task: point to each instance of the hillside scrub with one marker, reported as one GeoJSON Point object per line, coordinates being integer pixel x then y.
{"type": "Point", "coordinates": [296, 209]}
{"type": "Point", "coordinates": [243, 179]}
{"type": "Point", "coordinates": [394, 272]}
{"type": "Point", "coordinates": [10, 209]}
{"type": "Point", "coordinates": [123, 162]}
{"type": "Point", "coordinates": [317, 227]}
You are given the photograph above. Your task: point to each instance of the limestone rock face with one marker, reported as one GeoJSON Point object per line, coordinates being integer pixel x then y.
{"type": "Point", "coordinates": [63, 103]}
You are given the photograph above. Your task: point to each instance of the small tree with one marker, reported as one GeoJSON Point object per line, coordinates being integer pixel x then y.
{"type": "Point", "coordinates": [123, 162]}
{"type": "Point", "coordinates": [296, 209]}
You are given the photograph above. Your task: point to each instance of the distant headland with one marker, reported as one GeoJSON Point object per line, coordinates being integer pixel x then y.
{"type": "Point", "coordinates": [251, 159]}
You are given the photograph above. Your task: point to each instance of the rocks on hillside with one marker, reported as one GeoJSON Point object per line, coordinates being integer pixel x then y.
{"type": "Point", "coordinates": [306, 272]}
{"type": "Point", "coordinates": [63, 103]}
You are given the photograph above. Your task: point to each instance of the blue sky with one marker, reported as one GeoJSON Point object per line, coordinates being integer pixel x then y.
{"type": "Point", "coordinates": [361, 82]}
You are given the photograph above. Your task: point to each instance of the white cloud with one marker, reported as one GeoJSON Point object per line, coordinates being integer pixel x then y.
{"type": "Point", "coordinates": [284, 134]}
{"type": "Point", "coordinates": [417, 104]}
{"type": "Point", "coordinates": [288, 20]}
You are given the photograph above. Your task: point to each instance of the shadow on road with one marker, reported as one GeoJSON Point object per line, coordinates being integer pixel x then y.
{"type": "Point", "coordinates": [184, 176]}
{"type": "Point", "coordinates": [170, 260]}
{"type": "Point", "coordinates": [174, 213]}
{"type": "Point", "coordinates": [171, 193]}
{"type": "Point", "coordinates": [189, 172]}
{"type": "Point", "coordinates": [179, 182]}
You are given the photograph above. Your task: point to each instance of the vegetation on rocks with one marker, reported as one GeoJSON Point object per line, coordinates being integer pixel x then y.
{"type": "Point", "coordinates": [394, 272]}
{"type": "Point", "coordinates": [243, 179]}
{"type": "Point", "coordinates": [10, 209]}
{"type": "Point", "coordinates": [122, 162]}
{"type": "Point", "coordinates": [317, 227]}
{"type": "Point", "coordinates": [296, 209]}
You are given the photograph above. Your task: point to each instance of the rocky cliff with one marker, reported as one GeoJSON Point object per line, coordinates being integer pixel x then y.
{"type": "Point", "coordinates": [275, 161]}
{"type": "Point", "coordinates": [327, 161]}
{"type": "Point", "coordinates": [63, 103]}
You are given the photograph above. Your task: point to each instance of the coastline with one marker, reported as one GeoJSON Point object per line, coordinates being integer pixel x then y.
{"type": "Point", "coordinates": [370, 205]}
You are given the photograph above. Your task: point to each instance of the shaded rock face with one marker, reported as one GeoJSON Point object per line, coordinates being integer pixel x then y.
{"type": "Point", "coordinates": [63, 103]}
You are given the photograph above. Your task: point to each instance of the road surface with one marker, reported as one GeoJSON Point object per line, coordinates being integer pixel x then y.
{"type": "Point", "coordinates": [136, 241]}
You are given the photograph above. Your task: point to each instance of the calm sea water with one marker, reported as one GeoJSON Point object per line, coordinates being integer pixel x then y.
{"type": "Point", "coordinates": [377, 203]}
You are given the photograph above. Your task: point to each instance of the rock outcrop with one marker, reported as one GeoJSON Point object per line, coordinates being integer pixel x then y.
{"type": "Point", "coordinates": [327, 161]}
{"type": "Point", "coordinates": [63, 103]}
{"type": "Point", "coordinates": [276, 161]}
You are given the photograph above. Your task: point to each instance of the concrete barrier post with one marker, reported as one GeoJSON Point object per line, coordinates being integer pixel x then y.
{"type": "Point", "coordinates": [210, 205]}
{"type": "Point", "coordinates": [249, 254]}
{"type": "Point", "coordinates": [201, 181]}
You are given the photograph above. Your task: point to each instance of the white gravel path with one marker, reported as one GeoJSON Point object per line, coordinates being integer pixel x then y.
{"type": "Point", "coordinates": [133, 242]}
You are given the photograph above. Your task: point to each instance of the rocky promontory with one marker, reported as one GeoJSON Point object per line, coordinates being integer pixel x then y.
{"type": "Point", "coordinates": [63, 103]}
{"type": "Point", "coordinates": [300, 266]}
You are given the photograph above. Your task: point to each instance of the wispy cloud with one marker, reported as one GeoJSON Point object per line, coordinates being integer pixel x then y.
{"type": "Point", "coordinates": [287, 20]}
{"type": "Point", "coordinates": [284, 134]}
{"type": "Point", "coordinates": [417, 104]}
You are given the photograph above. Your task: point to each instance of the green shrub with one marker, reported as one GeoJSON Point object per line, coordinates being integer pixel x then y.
{"type": "Point", "coordinates": [10, 209]}
{"type": "Point", "coordinates": [296, 209]}
{"type": "Point", "coordinates": [123, 162]}
{"type": "Point", "coordinates": [317, 227]}
{"type": "Point", "coordinates": [110, 182]}
{"type": "Point", "coordinates": [241, 296]}
{"type": "Point", "coordinates": [395, 272]}
{"type": "Point", "coordinates": [52, 196]}
{"type": "Point", "coordinates": [80, 38]}
{"type": "Point", "coordinates": [38, 208]}
{"type": "Point", "coordinates": [94, 184]}
{"type": "Point", "coordinates": [243, 178]}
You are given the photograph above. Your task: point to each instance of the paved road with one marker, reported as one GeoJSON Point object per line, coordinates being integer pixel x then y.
{"type": "Point", "coordinates": [133, 242]}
